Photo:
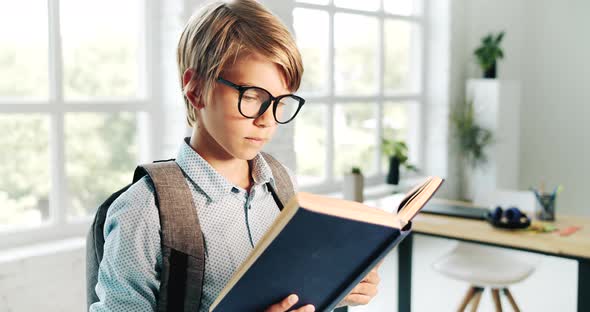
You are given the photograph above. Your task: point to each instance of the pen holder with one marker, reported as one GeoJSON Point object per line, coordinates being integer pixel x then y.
{"type": "Point", "coordinates": [545, 207]}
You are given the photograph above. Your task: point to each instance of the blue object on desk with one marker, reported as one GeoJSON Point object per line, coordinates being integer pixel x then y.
{"type": "Point", "coordinates": [511, 218]}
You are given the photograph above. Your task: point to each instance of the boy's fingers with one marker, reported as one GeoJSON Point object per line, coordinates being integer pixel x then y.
{"type": "Point", "coordinates": [284, 305]}
{"type": "Point", "coordinates": [356, 299]}
{"type": "Point", "coordinates": [307, 308]}
{"type": "Point", "coordinates": [288, 303]}
{"type": "Point", "coordinates": [364, 289]}
{"type": "Point", "coordinates": [372, 277]}
{"type": "Point", "coordinates": [362, 293]}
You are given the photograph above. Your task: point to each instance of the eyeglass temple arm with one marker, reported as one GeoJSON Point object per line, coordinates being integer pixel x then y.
{"type": "Point", "coordinates": [228, 83]}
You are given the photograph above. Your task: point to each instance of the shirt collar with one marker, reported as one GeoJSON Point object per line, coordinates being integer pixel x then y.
{"type": "Point", "coordinates": [261, 173]}
{"type": "Point", "coordinates": [209, 180]}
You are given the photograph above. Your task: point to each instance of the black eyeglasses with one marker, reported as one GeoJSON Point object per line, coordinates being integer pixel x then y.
{"type": "Point", "coordinates": [254, 101]}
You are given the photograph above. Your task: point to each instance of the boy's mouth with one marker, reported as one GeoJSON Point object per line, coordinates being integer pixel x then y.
{"type": "Point", "coordinates": [256, 140]}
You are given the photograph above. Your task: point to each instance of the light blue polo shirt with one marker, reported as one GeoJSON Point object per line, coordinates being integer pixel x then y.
{"type": "Point", "coordinates": [232, 221]}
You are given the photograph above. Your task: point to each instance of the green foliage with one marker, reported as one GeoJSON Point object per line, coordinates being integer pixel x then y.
{"type": "Point", "coordinates": [355, 170]}
{"type": "Point", "coordinates": [489, 51]}
{"type": "Point", "coordinates": [101, 153]}
{"type": "Point", "coordinates": [100, 150]}
{"type": "Point", "coordinates": [310, 135]}
{"type": "Point", "coordinates": [472, 138]}
{"type": "Point", "coordinates": [105, 67]}
{"type": "Point", "coordinates": [353, 139]}
{"type": "Point", "coordinates": [399, 150]}
{"type": "Point", "coordinates": [22, 71]}
{"type": "Point", "coordinates": [24, 167]}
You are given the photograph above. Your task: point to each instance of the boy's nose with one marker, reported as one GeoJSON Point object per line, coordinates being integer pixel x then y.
{"type": "Point", "coordinates": [267, 119]}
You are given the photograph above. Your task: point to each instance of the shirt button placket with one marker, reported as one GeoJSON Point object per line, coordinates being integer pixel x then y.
{"type": "Point", "coordinates": [247, 206]}
{"type": "Point", "coordinates": [250, 198]}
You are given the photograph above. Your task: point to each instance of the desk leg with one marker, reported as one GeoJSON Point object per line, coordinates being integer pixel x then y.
{"type": "Point", "coordinates": [404, 284]}
{"type": "Point", "coordinates": [583, 285]}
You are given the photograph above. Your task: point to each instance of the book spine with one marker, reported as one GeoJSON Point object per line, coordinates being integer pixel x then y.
{"type": "Point", "coordinates": [379, 256]}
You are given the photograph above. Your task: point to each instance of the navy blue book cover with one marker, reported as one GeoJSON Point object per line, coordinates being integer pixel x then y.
{"type": "Point", "coordinates": [316, 256]}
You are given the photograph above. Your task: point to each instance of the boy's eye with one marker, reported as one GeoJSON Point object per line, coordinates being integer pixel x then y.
{"type": "Point", "coordinates": [251, 96]}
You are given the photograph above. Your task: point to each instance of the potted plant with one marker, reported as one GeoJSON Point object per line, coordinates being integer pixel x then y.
{"type": "Point", "coordinates": [488, 53]}
{"type": "Point", "coordinates": [472, 138]}
{"type": "Point", "coordinates": [353, 185]}
{"type": "Point", "coordinates": [397, 151]}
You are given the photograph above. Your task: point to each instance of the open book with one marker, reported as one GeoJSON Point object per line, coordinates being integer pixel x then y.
{"type": "Point", "coordinates": [319, 248]}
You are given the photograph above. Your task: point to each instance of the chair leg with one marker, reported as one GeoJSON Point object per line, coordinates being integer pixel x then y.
{"type": "Point", "coordinates": [468, 296]}
{"type": "Point", "coordinates": [476, 298]}
{"type": "Point", "coordinates": [496, 297]}
{"type": "Point", "coordinates": [511, 300]}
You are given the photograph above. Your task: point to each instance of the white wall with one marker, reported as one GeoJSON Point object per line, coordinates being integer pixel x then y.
{"type": "Point", "coordinates": [441, 83]}
{"type": "Point", "coordinates": [52, 280]}
{"type": "Point", "coordinates": [546, 48]}
{"type": "Point", "coordinates": [556, 111]}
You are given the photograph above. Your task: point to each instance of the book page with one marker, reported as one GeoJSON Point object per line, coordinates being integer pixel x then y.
{"type": "Point", "coordinates": [417, 198]}
{"type": "Point", "coordinates": [347, 209]}
{"type": "Point", "coordinates": [412, 194]}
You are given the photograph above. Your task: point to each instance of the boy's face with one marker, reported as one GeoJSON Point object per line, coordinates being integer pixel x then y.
{"type": "Point", "coordinates": [239, 136]}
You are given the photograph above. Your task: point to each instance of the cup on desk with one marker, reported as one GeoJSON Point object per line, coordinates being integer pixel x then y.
{"type": "Point", "coordinates": [545, 207]}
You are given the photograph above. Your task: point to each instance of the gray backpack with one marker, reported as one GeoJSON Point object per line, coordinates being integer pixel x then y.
{"type": "Point", "coordinates": [183, 252]}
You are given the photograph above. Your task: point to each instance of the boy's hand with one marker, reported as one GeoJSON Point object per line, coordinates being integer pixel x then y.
{"type": "Point", "coordinates": [288, 303]}
{"type": "Point", "coordinates": [365, 291]}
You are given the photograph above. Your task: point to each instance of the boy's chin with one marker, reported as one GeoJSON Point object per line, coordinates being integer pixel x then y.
{"type": "Point", "coordinates": [247, 153]}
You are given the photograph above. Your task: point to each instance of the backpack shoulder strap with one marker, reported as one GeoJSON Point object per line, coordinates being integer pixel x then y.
{"type": "Point", "coordinates": [183, 248]}
{"type": "Point", "coordinates": [284, 187]}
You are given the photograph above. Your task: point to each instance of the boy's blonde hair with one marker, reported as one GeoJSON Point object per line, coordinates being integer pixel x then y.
{"type": "Point", "coordinates": [223, 30]}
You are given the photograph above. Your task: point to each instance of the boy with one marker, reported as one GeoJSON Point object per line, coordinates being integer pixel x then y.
{"type": "Point", "coordinates": [238, 66]}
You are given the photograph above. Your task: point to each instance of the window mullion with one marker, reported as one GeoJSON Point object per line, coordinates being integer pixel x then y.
{"type": "Point", "coordinates": [56, 134]}
{"type": "Point", "coordinates": [329, 162]}
{"type": "Point", "coordinates": [416, 122]}
{"type": "Point", "coordinates": [378, 14]}
{"type": "Point", "coordinates": [424, 51]}
{"type": "Point", "coordinates": [381, 91]}
{"type": "Point", "coordinates": [55, 55]}
{"type": "Point", "coordinates": [148, 141]}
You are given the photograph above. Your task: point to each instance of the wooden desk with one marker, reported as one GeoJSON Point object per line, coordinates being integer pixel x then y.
{"type": "Point", "coordinates": [575, 246]}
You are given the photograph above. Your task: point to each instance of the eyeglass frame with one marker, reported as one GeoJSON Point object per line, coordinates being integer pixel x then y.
{"type": "Point", "coordinates": [264, 107]}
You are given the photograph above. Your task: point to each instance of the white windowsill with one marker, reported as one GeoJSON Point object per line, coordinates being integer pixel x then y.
{"type": "Point", "coordinates": [41, 249]}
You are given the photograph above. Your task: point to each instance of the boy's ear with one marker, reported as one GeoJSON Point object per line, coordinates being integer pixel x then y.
{"type": "Point", "coordinates": [189, 78]}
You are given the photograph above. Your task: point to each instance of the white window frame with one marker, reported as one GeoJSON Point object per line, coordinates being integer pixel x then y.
{"type": "Point", "coordinates": [56, 107]}
{"type": "Point", "coordinates": [414, 101]}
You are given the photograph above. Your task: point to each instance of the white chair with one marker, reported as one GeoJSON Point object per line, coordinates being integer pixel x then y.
{"type": "Point", "coordinates": [490, 267]}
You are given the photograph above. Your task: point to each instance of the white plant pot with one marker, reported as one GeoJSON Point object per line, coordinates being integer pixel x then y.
{"type": "Point", "coordinates": [352, 187]}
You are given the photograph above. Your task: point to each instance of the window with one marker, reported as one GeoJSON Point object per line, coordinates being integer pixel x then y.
{"type": "Point", "coordinates": [363, 81]}
{"type": "Point", "coordinates": [73, 101]}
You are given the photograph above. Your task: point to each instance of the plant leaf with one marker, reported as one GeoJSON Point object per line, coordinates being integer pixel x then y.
{"type": "Point", "coordinates": [499, 37]}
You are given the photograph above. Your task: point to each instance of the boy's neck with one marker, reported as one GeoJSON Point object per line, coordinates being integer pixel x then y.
{"type": "Point", "coordinates": [235, 170]}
